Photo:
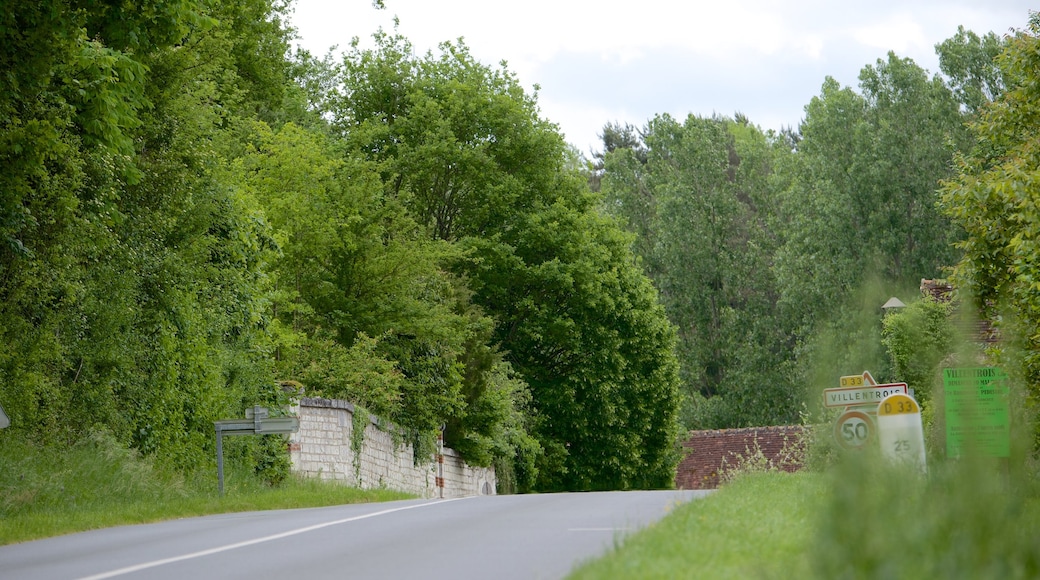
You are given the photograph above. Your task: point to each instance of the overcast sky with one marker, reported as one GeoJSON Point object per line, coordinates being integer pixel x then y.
{"type": "Point", "coordinates": [606, 61]}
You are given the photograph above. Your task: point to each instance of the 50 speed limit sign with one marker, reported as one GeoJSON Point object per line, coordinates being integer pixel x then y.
{"type": "Point", "coordinates": [854, 429]}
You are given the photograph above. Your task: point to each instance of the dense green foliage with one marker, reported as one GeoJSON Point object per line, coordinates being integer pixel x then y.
{"type": "Point", "coordinates": [770, 249]}
{"type": "Point", "coordinates": [698, 194]}
{"type": "Point", "coordinates": [131, 272]}
{"type": "Point", "coordinates": [919, 339]}
{"type": "Point", "coordinates": [993, 198]}
{"type": "Point", "coordinates": [192, 214]}
{"type": "Point", "coordinates": [463, 150]}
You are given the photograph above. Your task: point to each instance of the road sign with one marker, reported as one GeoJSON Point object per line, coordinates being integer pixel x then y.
{"type": "Point", "coordinates": [854, 429]}
{"type": "Point", "coordinates": [977, 411]}
{"type": "Point", "coordinates": [256, 422]}
{"type": "Point", "coordinates": [900, 433]}
{"type": "Point", "coordinates": [279, 425]}
{"type": "Point", "coordinates": [258, 412]}
{"type": "Point", "coordinates": [4, 421]}
{"type": "Point", "coordinates": [857, 380]}
{"type": "Point", "coordinates": [258, 427]}
{"type": "Point", "coordinates": [864, 395]}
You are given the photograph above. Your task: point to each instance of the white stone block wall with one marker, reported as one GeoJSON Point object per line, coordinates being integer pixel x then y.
{"type": "Point", "coordinates": [322, 448]}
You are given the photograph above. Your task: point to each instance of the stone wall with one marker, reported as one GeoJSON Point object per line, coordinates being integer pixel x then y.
{"type": "Point", "coordinates": [708, 453]}
{"type": "Point", "coordinates": [323, 448]}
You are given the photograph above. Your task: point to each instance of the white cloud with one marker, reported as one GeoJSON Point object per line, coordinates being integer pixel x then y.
{"type": "Point", "coordinates": [899, 32]}
{"type": "Point", "coordinates": [625, 61]}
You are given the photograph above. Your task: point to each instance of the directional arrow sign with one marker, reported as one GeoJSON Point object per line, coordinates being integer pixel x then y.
{"type": "Point", "coordinates": [865, 395]}
{"type": "Point", "coordinates": [253, 427]}
{"type": "Point", "coordinates": [279, 425]}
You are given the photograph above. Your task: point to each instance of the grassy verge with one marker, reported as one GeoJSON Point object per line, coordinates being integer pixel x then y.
{"type": "Point", "coordinates": [97, 483]}
{"type": "Point", "coordinates": [759, 526]}
{"type": "Point", "coordinates": [863, 518]}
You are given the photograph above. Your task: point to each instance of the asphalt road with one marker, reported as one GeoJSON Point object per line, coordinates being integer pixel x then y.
{"type": "Point", "coordinates": [502, 537]}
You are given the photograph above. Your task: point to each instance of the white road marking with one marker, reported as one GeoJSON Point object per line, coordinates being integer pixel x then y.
{"type": "Point", "coordinates": [199, 554]}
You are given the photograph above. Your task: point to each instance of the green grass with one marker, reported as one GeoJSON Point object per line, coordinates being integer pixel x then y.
{"type": "Point", "coordinates": [46, 491]}
{"type": "Point", "coordinates": [758, 526]}
{"type": "Point", "coordinates": [968, 519]}
{"type": "Point", "coordinates": [862, 519]}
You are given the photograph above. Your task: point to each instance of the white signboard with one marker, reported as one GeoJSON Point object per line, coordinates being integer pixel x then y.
{"type": "Point", "coordinates": [856, 396]}
{"type": "Point", "coordinates": [900, 433]}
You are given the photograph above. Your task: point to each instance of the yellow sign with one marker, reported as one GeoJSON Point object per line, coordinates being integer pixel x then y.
{"type": "Point", "coordinates": [852, 381]}
{"type": "Point", "coordinates": [900, 432]}
{"type": "Point", "coordinates": [858, 380]}
{"type": "Point", "coordinates": [898, 404]}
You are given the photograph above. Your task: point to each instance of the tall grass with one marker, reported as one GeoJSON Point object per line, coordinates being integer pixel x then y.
{"type": "Point", "coordinates": [46, 491]}
{"type": "Point", "coordinates": [965, 519]}
{"type": "Point", "coordinates": [864, 518]}
{"type": "Point", "coordinates": [757, 526]}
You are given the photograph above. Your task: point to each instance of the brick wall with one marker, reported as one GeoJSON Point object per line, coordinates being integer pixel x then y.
{"type": "Point", "coordinates": [322, 448]}
{"type": "Point", "coordinates": [707, 453]}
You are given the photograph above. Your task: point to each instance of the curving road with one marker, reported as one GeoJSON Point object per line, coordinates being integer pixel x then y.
{"type": "Point", "coordinates": [503, 537]}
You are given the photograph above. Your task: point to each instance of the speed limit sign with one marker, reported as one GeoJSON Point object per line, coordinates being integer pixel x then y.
{"type": "Point", "coordinates": [854, 429]}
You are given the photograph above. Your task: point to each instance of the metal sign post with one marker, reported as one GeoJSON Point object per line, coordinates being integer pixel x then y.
{"type": "Point", "coordinates": [257, 422]}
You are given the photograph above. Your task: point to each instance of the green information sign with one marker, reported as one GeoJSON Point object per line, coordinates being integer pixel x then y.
{"type": "Point", "coordinates": [977, 417]}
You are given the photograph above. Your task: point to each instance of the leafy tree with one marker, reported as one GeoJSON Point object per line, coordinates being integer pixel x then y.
{"type": "Point", "coordinates": [860, 208]}
{"type": "Point", "coordinates": [919, 338]}
{"type": "Point", "coordinates": [615, 137]}
{"type": "Point", "coordinates": [623, 180]}
{"type": "Point", "coordinates": [970, 62]}
{"type": "Point", "coordinates": [462, 147]}
{"type": "Point", "coordinates": [698, 196]}
{"type": "Point", "coordinates": [132, 273]}
{"type": "Point", "coordinates": [467, 149]}
{"type": "Point", "coordinates": [355, 265]}
{"type": "Point", "coordinates": [992, 198]}
{"type": "Point", "coordinates": [583, 327]}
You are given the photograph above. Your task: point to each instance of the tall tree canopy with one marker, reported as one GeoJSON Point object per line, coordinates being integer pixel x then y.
{"type": "Point", "coordinates": [698, 193]}
{"type": "Point", "coordinates": [993, 198]}
{"type": "Point", "coordinates": [131, 270]}
{"type": "Point", "coordinates": [462, 146]}
{"type": "Point", "coordinates": [760, 242]}
{"type": "Point", "coordinates": [860, 209]}
{"type": "Point", "coordinates": [191, 213]}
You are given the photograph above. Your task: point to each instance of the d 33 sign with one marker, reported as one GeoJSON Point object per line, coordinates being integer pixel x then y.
{"type": "Point", "coordinates": [900, 433]}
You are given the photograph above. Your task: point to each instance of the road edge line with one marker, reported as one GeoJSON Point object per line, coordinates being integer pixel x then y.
{"type": "Point", "coordinates": [243, 544]}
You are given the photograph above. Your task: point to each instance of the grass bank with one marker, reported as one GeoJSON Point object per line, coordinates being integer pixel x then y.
{"type": "Point", "coordinates": [98, 483]}
{"type": "Point", "coordinates": [756, 527]}
{"type": "Point", "coordinates": [861, 519]}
